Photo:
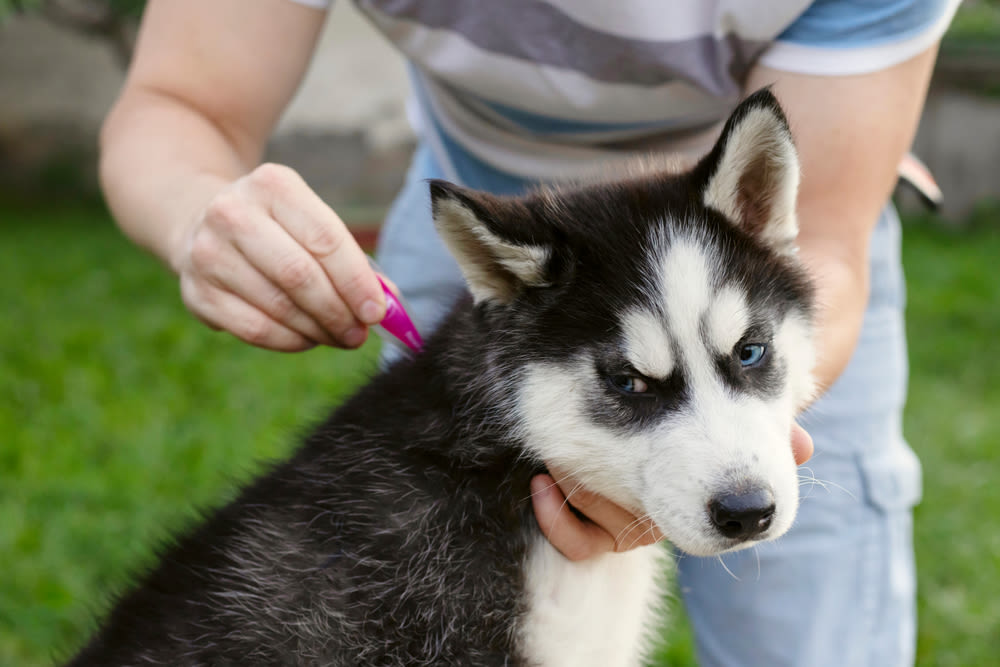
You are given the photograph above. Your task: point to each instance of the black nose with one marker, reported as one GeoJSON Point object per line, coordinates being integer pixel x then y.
{"type": "Point", "coordinates": [742, 515]}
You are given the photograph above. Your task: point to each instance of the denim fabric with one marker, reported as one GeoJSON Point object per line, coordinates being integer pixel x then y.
{"type": "Point", "coordinates": [839, 589]}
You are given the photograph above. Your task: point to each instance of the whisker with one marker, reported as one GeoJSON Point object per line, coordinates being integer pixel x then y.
{"type": "Point", "coordinates": [650, 530]}
{"type": "Point", "coordinates": [726, 567]}
{"type": "Point", "coordinates": [812, 480]}
{"type": "Point", "coordinates": [569, 494]}
{"type": "Point", "coordinates": [631, 524]}
{"type": "Point", "coordinates": [574, 475]}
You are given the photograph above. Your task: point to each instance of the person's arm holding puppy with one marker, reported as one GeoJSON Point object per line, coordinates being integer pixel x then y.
{"type": "Point", "coordinates": [851, 133]}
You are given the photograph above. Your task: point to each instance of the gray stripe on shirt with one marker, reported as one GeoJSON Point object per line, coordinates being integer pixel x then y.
{"type": "Point", "coordinates": [535, 31]}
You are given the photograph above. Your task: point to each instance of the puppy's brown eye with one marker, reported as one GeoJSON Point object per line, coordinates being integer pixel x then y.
{"type": "Point", "coordinates": [628, 384]}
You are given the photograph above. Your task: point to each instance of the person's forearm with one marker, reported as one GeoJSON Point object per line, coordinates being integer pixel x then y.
{"type": "Point", "coordinates": [161, 162]}
{"type": "Point", "coordinates": [850, 132]}
{"type": "Point", "coordinates": [257, 253]}
{"type": "Point", "coordinates": [841, 296]}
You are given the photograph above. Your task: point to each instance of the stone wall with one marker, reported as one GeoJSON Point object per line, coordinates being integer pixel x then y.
{"type": "Point", "coordinates": [346, 129]}
{"type": "Point", "coordinates": [959, 139]}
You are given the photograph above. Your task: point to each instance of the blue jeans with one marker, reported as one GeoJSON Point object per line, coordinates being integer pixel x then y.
{"type": "Point", "coordinates": [839, 589]}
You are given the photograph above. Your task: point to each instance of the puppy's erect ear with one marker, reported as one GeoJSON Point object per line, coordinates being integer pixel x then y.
{"type": "Point", "coordinates": [499, 248]}
{"type": "Point", "coordinates": [752, 174]}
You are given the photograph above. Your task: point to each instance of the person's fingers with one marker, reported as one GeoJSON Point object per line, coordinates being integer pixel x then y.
{"type": "Point", "coordinates": [608, 527]}
{"type": "Point", "coordinates": [221, 265]}
{"type": "Point", "coordinates": [802, 444]}
{"type": "Point", "coordinates": [574, 538]}
{"type": "Point", "coordinates": [626, 528]}
{"type": "Point", "coordinates": [222, 310]}
{"type": "Point", "coordinates": [286, 264]}
{"type": "Point", "coordinates": [318, 229]}
{"type": "Point", "coordinates": [262, 294]}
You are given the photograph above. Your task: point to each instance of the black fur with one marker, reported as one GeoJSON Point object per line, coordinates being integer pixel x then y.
{"type": "Point", "coordinates": [365, 548]}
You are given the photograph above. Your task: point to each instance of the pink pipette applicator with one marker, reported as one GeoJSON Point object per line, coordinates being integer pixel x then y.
{"type": "Point", "coordinates": [397, 323]}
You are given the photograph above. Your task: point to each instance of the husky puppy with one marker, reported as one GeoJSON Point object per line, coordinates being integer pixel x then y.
{"type": "Point", "coordinates": [652, 335]}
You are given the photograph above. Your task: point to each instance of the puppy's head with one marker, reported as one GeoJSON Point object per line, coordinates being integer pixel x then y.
{"type": "Point", "coordinates": [654, 332]}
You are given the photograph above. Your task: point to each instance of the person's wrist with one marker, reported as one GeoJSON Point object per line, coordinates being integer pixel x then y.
{"type": "Point", "coordinates": [174, 249]}
{"type": "Point", "coordinates": [178, 238]}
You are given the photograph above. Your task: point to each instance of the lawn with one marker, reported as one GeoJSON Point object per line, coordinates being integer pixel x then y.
{"type": "Point", "coordinates": [119, 413]}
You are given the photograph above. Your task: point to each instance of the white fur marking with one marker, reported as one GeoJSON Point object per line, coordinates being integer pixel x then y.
{"type": "Point", "coordinates": [592, 613]}
{"type": "Point", "coordinates": [794, 341]}
{"type": "Point", "coordinates": [687, 293]}
{"type": "Point", "coordinates": [559, 431]}
{"type": "Point", "coordinates": [727, 319]}
{"type": "Point", "coordinates": [649, 347]}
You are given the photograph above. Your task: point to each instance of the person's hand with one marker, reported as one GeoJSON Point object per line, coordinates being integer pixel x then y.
{"type": "Point", "coordinates": [272, 264]}
{"type": "Point", "coordinates": [802, 444]}
{"type": "Point", "coordinates": [607, 526]}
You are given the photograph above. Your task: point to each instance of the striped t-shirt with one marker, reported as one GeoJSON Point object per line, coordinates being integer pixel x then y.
{"type": "Point", "coordinates": [541, 89]}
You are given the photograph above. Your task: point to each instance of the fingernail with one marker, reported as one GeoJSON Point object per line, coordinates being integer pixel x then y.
{"type": "Point", "coordinates": [354, 337]}
{"type": "Point", "coordinates": [371, 312]}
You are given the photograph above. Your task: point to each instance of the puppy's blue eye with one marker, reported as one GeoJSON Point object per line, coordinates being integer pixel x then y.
{"type": "Point", "coordinates": [751, 354]}
{"type": "Point", "coordinates": [628, 384]}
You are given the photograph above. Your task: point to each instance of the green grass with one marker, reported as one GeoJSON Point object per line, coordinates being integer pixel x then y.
{"type": "Point", "coordinates": [953, 422]}
{"type": "Point", "coordinates": [975, 21]}
{"type": "Point", "coordinates": [119, 413]}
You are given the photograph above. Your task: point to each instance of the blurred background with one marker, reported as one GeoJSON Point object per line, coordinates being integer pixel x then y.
{"type": "Point", "coordinates": [119, 413]}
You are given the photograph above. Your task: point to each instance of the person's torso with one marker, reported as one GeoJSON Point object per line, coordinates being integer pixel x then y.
{"type": "Point", "coordinates": [531, 85]}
